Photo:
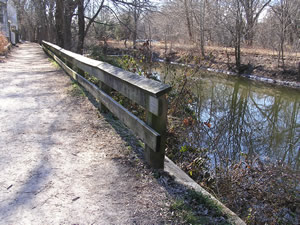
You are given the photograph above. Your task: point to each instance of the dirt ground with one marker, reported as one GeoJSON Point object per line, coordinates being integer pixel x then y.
{"type": "Point", "coordinates": [61, 161]}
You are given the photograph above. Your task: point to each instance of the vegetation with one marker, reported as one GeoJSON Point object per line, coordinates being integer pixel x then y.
{"type": "Point", "coordinates": [213, 154]}
{"type": "Point", "coordinates": [76, 90]}
{"type": "Point", "coordinates": [194, 208]}
{"type": "Point", "coordinates": [236, 24]}
{"type": "Point", "coordinates": [245, 36]}
{"type": "Point", "coordinates": [3, 44]}
{"type": "Point", "coordinates": [245, 184]}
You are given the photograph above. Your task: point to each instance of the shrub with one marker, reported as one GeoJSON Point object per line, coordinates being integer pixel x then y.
{"type": "Point", "coordinates": [3, 43]}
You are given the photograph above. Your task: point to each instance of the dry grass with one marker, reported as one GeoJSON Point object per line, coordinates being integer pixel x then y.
{"type": "Point", "coordinates": [187, 47]}
{"type": "Point", "coordinates": [3, 44]}
{"type": "Point", "coordinates": [257, 61]}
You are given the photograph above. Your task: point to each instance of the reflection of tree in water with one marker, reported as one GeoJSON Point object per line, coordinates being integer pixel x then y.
{"type": "Point", "coordinates": [247, 121]}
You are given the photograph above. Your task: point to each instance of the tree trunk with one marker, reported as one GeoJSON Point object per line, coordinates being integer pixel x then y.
{"type": "Point", "coordinates": [249, 32]}
{"type": "Point", "coordinates": [69, 10]}
{"type": "Point", "coordinates": [282, 40]}
{"type": "Point", "coordinates": [63, 20]}
{"type": "Point", "coordinates": [83, 30]}
{"type": "Point", "coordinates": [59, 22]}
{"type": "Point", "coordinates": [134, 33]}
{"type": "Point", "coordinates": [248, 7]}
{"type": "Point", "coordinates": [238, 33]}
{"type": "Point", "coordinates": [299, 71]}
{"type": "Point", "coordinates": [202, 22]}
{"type": "Point", "coordinates": [51, 30]}
{"type": "Point", "coordinates": [237, 50]}
{"type": "Point", "coordinates": [81, 26]}
{"type": "Point", "coordinates": [253, 9]}
{"type": "Point", "coordinates": [188, 21]}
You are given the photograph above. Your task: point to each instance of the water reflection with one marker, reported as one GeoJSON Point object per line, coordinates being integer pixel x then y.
{"type": "Point", "coordinates": [247, 119]}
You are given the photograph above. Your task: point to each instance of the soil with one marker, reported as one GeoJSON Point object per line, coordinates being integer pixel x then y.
{"type": "Point", "coordinates": [61, 161]}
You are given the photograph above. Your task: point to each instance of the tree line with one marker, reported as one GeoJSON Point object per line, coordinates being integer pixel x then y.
{"type": "Point", "coordinates": [273, 24]}
{"type": "Point", "coordinates": [68, 22]}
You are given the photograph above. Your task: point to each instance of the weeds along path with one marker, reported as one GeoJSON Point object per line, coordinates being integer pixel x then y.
{"type": "Point", "coordinates": [61, 162]}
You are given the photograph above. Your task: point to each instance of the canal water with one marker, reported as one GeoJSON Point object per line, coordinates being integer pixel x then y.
{"type": "Point", "coordinates": [246, 118]}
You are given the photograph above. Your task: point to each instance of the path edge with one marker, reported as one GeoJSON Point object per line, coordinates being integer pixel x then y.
{"type": "Point", "coordinates": [181, 177]}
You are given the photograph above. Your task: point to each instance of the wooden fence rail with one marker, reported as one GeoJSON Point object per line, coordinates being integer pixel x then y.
{"type": "Point", "coordinates": [149, 94]}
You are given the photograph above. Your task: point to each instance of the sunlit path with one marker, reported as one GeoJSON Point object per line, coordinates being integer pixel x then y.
{"type": "Point", "coordinates": [60, 163]}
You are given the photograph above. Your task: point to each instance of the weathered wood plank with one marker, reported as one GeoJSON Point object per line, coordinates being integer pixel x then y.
{"type": "Point", "coordinates": [67, 69]}
{"type": "Point", "coordinates": [141, 90]}
{"type": "Point", "coordinates": [139, 127]}
{"type": "Point", "coordinates": [158, 123]}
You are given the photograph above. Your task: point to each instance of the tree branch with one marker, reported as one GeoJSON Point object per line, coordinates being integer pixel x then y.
{"type": "Point", "coordinates": [93, 18]}
{"type": "Point", "coordinates": [97, 22]}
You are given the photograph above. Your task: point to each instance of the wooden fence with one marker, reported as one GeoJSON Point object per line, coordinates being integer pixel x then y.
{"type": "Point", "coordinates": [149, 94]}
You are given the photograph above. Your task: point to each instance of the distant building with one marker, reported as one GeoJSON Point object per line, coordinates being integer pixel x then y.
{"type": "Point", "coordinates": [9, 20]}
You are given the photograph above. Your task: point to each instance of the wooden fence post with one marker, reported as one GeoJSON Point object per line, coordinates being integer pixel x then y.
{"type": "Point", "coordinates": [155, 157]}
{"type": "Point", "coordinates": [107, 90]}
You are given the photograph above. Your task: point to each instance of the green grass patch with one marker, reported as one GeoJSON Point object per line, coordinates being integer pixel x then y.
{"type": "Point", "coordinates": [54, 63]}
{"type": "Point", "coordinates": [199, 198]}
{"type": "Point", "coordinates": [141, 144]}
{"type": "Point", "coordinates": [187, 208]}
{"type": "Point", "coordinates": [76, 90]}
{"type": "Point", "coordinates": [185, 212]}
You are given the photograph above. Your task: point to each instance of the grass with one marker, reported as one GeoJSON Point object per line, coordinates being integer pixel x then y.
{"type": "Point", "coordinates": [76, 90]}
{"type": "Point", "coordinates": [141, 144]}
{"type": "Point", "coordinates": [205, 200]}
{"type": "Point", "coordinates": [54, 63]}
{"type": "Point", "coordinates": [187, 47]}
{"type": "Point", "coordinates": [189, 208]}
{"type": "Point", "coordinates": [186, 209]}
{"type": "Point", "coordinates": [185, 212]}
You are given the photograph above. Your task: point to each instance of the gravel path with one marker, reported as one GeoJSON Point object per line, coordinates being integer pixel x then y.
{"type": "Point", "coordinates": [61, 162]}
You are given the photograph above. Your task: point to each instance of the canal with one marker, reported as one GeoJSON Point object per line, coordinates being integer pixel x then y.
{"type": "Point", "coordinates": [246, 118]}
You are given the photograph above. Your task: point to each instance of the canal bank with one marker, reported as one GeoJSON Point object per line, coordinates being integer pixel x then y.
{"type": "Point", "coordinates": [235, 137]}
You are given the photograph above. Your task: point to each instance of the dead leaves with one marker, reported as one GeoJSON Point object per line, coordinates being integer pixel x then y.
{"type": "Point", "coordinates": [3, 43]}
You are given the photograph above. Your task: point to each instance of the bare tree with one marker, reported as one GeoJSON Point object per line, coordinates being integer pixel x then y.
{"type": "Point", "coordinates": [63, 19]}
{"type": "Point", "coordinates": [199, 13]}
{"type": "Point", "coordinates": [83, 28]}
{"type": "Point", "coordinates": [232, 20]}
{"type": "Point", "coordinates": [283, 12]}
{"type": "Point", "coordinates": [188, 18]}
{"type": "Point", "coordinates": [252, 9]}
{"type": "Point", "coordinates": [36, 21]}
{"type": "Point", "coordinates": [238, 34]}
{"type": "Point", "coordinates": [136, 9]}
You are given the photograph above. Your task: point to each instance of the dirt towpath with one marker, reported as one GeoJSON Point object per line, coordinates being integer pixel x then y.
{"type": "Point", "coordinates": [61, 162]}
